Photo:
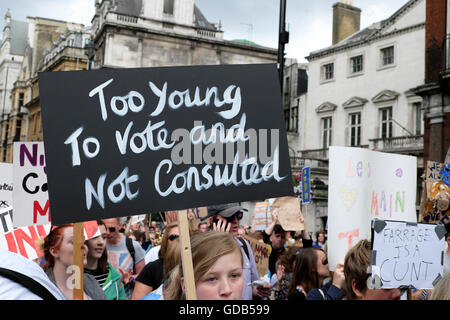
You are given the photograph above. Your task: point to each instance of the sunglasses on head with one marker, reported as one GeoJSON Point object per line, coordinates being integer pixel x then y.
{"type": "Point", "coordinates": [173, 237]}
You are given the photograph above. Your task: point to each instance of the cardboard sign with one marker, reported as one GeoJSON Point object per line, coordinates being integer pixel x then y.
{"type": "Point", "coordinates": [364, 185]}
{"type": "Point", "coordinates": [261, 217]}
{"type": "Point", "coordinates": [160, 139]}
{"type": "Point", "coordinates": [407, 254]}
{"type": "Point", "coordinates": [30, 195]}
{"type": "Point", "coordinates": [306, 185]}
{"type": "Point", "coordinates": [6, 185]}
{"type": "Point", "coordinates": [435, 202]}
{"type": "Point", "coordinates": [289, 213]}
{"type": "Point", "coordinates": [261, 253]}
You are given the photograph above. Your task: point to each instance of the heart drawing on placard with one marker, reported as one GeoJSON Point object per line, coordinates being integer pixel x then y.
{"type": "Point", "coordinates": [348, 196]}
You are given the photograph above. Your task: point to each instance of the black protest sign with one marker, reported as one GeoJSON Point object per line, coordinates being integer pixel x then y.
{"type": "Point", "coordinates": [128, 141]}
{"type": "Point", "coordinates": [406, 254]}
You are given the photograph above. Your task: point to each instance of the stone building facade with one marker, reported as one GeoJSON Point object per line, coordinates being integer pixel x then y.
{"type": "Point", "coordinates": [360, 95]}
{"type": "Point", "coordinates": [23, 121]}
{"type": "Point", "coordinates": [154, 33]}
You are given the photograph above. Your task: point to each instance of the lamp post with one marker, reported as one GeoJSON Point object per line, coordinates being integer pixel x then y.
{"type": "Point", "coordinates": [89, 50]}
{"type": "Point", "coordinates": [283, 38]}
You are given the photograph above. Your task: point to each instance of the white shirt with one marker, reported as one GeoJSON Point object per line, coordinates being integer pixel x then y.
{"type": "Point", "coordinates": [11, 290]}
{"type": "Point", "coordinates": [152, 254]}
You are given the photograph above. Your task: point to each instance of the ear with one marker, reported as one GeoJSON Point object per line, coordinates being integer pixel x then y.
{"type": "Point", "coordinates": [54, 252]}
{"type": "Point", "coordinates": [358, 293]}
{"type": "Point", "coordinates": [183, 288]}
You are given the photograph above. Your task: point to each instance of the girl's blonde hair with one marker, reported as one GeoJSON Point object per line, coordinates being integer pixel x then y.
{"type": "Point", "coordinates": [206, 249]}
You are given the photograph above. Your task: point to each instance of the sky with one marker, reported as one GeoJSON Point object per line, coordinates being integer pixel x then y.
{"type": "Point", "coordinates": [308, 22]}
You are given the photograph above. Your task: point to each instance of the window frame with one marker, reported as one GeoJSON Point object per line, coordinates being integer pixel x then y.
{"type": "Point", "coordinates": [380, 58]}
{"type": "Point", "coordinates": [350, 72]}
{"type": "Point", "coordinates": [388, 122]}
{"type": "Point", "coordinates": [169, 4]}
{"type": "Point", "coordinates": [326, 131]}
{"type": "Point", "coordinates": [323, 72]}
{"type": "Point", "coordinates": [358, 129]}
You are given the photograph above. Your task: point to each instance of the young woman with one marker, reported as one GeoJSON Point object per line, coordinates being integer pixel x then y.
{"type": "Point", "coordinates": [310, 270]}
{"type": "Point", "coordinates": [58, 253]}
{"type": "Point", "coordinates": [151, 275]}
{"type": "Point", "coordinates": [217, 262]}
{"type": "Point", "coordinates": [98, 266]}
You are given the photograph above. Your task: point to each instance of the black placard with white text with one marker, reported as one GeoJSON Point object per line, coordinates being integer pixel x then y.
{"type": "Point", "coordinates": [130, 141]}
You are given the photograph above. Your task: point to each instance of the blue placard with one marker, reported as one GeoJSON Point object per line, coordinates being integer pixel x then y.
{"type": "Point", "coordinates": [306, 185]}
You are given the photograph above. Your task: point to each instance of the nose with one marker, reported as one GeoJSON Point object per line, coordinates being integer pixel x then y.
{"type": "Point", "coordinates": [225, 289]}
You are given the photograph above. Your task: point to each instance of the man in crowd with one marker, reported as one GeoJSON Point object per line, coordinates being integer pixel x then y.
{"type": "Point", "coordinates": [225, 218]}
{"type": "Point", "coordinates": [127, 256]}
{"type": "Point", "coordinates": [275, 235]}
{"type": "Point", "coordinates": [203, 226]}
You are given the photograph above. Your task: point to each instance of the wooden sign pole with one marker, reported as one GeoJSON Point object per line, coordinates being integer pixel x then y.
{"type": "Point", "coordinates": [186, 256]}
{"type": "Point", "coordinates": [162, 218]}
{"type": "Point", "coordinates": [78, 260]}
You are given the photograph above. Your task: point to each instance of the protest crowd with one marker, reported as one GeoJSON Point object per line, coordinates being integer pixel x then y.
{"type": "Point", "coordinates": [142, 261]}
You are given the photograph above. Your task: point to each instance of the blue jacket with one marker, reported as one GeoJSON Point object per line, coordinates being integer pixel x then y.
{"type": "Point", "coordinates": [327, 292]}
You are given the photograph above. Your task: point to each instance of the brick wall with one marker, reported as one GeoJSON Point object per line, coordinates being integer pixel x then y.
{"type": "Point", "coordinates": [434, 38]}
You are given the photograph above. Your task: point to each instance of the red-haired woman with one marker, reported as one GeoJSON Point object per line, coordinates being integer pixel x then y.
{"type": "Point", "coordinates": [58, 254]}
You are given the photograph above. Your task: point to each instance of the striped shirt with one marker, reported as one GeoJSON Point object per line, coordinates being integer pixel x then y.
{"type": "Point", "coordinates": [100, 277]}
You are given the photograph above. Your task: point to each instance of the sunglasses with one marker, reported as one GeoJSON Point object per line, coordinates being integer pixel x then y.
{"type": "Point", "coordinates": [238, 215]}
{"type": "Point", "coordinates": [325, 261]}
{"type": "Point", "coordinates": [173, 237]}
{"type": "Point", "coordinates": [112, 229]}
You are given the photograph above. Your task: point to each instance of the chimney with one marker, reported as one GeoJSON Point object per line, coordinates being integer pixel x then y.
{"type": "Point", "coordinates": [346, 20]}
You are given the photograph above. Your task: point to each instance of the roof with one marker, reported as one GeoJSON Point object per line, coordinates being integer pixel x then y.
{"type": "Point", "coordinates": [368, 33]}
{"type": "Point", "coordinates": [244, 41]}
{"type": "Point", "coordinates": [18, 36]}
{"type": "Point", "coordinates": [201, 21]}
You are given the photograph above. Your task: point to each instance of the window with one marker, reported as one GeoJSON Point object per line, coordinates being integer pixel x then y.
{"type": "Point", "coordinates": [355, 129]}
{"type": "Point", "coordinates": [291, 119]}
{"type": "Point", "coordinates": [326, 132]}
{"type": "Point", "coordinates": [356, 64]}
{"type": "Point", "coordinates": [294, 119]}
{"type": "Point", "coordinates": [168, 6]}
{"type": "Point", "coordinates": [21, 97]}
{"type": "Point", "coordinates": [419, 118]}
{"type": "Point", "coordinates": [328, 71]}
{"type": "Point", "coordinates": [18, 126]}
{"type": "Point", "coordinates": [387, 56]}
{"type": "Point", "coordinates": [386, 122]}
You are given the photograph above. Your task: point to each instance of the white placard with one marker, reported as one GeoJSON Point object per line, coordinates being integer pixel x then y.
{"type": "Point", "coordinates": [407, 254]}
{"type": "Point", "coordinates": [21, 240]}
{"type": "Point", "coordinates": [6, 184]}
{"type": "Point", "coordinates": [30, 196]}
{"type": "Point", "coordinates": [364, 185]}
{"type": "Point", "coordinates": [136, 219]}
